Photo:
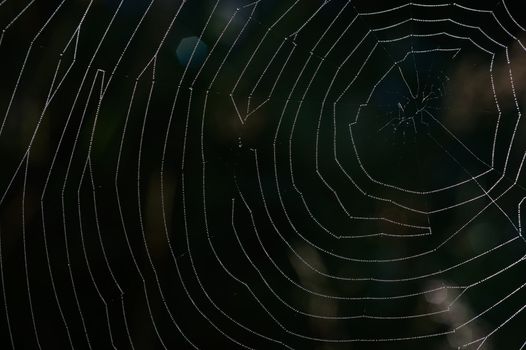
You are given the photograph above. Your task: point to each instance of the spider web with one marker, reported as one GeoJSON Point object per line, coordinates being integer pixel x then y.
{"type": "Point", "coordinates": [262, 174]}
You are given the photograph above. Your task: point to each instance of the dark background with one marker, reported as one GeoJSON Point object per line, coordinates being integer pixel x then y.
{"type": "Point", "coordinates": [154, 198]}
